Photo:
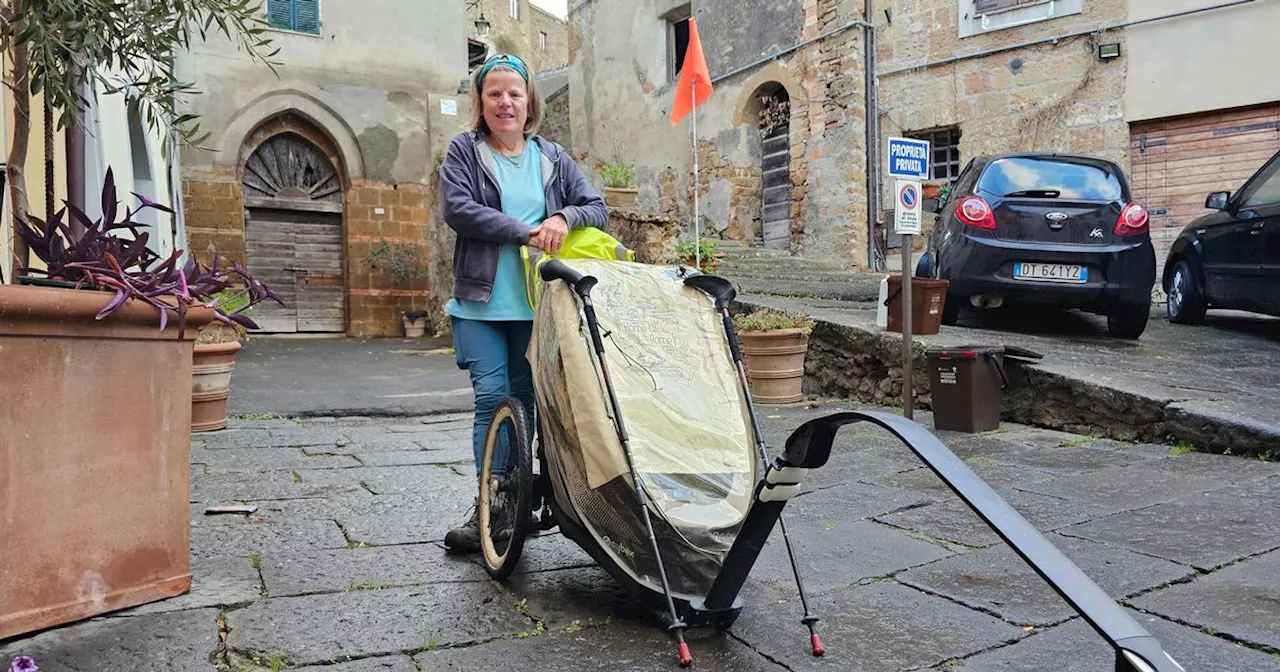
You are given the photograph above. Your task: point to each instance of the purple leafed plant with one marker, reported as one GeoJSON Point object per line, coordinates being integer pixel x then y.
{"type": "Point", "coordinates": [23, 664]}
{"type": "Point", "coordinates": [98, 258]}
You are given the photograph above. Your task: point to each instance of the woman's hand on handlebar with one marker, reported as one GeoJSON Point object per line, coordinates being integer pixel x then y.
{"type": "Point", "coordinates": [549, 235]}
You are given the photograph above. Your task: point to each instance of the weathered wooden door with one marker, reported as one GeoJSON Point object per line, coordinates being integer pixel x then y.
{"type": "Point", "coordinates": [775, 181]}
{"type": "Point", "coordinates": [293, 236]}
{"type": "Point", "coordinates": [299, 254]}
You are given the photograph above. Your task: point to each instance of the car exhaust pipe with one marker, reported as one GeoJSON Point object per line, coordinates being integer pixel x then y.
{"type": "Point", "coordinates": [986, 301]}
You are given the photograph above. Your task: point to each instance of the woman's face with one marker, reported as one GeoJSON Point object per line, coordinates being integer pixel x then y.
{"type": "Point", "coordinates": [506, 102]}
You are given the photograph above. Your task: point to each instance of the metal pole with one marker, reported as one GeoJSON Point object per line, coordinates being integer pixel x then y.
{"type": "Point", "coordinates": [908, 395]}
{"type": "Point", "coordinates": [873, 142]}
{"type": "Point", "coordinates": [697, 224]}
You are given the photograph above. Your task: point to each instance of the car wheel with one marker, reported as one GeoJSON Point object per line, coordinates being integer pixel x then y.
{"type": "Point", "coordinates": [1128, 322]}
{"type": "Point", "coordinates": [1185, 302]}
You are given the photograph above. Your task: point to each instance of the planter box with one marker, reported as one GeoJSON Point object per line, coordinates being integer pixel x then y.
{"type": "Point", "coordinates": [616, 197]}
{"type": "Point", "coordinates": [95, 420]}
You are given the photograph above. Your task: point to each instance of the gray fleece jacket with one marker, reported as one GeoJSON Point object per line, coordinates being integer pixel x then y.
{"type": "Point", "coordinates": [471, 203]}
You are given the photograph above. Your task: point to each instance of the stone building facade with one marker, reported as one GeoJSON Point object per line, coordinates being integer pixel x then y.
{"type": "Point", "coordinates": [947, 72]}
{"type": "Point", "coordinates": [319, 179]}
{"type": "Point", "coordinates": [537, 36]}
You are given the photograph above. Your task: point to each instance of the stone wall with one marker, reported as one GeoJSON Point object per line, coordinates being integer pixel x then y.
{"type": "Point", "coordinates": [397, 214]}
{"type": "Point", "coordinates": [522, 36]}
{"type": "Point", "coordinates": [1050, 97]}
{"type": "Point", "coordinates": [555, 125]}
{"type": "Point", "coordinates": [650, 235]}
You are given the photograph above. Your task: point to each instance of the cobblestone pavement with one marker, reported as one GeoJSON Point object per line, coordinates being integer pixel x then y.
{"type": "Point", "coordinates": [341, 566]}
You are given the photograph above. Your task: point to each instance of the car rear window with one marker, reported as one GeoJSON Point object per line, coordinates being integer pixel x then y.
{"type": "Point", "coordinates": [1072, 179]}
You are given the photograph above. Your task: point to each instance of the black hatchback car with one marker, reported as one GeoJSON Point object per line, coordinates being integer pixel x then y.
{"type": "Point", "coordinates": [1230, 258]}
{"type": "Point", "coordinates": [1055, 230]}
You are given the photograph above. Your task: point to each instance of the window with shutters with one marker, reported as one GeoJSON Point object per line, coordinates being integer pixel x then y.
{"type": "Point", "coordinates": [302, 16]}
{"type": "Point", "coordinates": [984, 16]}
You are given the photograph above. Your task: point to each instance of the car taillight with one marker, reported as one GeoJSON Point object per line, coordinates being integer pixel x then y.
{"type": "Point", "coordinates": [1133, 219]}
{"type": "Point", "coordinates": [974, 211]}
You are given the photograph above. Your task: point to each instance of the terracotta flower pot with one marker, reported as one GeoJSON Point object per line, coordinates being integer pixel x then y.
{"type": "Point", "coordinates": [96, 446]}
{"type": "Point", "coordinates": [775, 364]}
{"type": "Point", "coordinates": [211, 368]}
{"type": "Point", "coordinates": [616, 197]}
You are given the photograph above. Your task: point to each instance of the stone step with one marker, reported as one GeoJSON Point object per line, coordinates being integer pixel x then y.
{"type": "Point", "coordinates": [852, 291]}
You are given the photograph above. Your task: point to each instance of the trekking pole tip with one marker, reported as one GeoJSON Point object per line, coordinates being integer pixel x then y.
{"type": "Point", "coordinates": [818, 648]}
{"type": "Point", "coordinates": [686, 659]}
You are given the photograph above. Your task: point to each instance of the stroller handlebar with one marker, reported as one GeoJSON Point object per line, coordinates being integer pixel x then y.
{"type": "Point", "coordinates": [558, 270]}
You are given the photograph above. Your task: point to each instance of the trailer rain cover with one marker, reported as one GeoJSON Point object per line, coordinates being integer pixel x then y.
{"type": "Point", "coordinates": [683, 408]}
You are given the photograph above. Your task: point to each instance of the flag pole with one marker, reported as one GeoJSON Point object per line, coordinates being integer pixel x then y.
{"type": "Point", "coordinates": [697, 221]}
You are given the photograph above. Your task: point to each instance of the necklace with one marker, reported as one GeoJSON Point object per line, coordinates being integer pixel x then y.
{"type": "Point", "coordinates": [513, 160]}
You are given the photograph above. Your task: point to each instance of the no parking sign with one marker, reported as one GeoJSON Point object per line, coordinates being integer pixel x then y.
{"type": "Point", "coordinates": [906, 211]}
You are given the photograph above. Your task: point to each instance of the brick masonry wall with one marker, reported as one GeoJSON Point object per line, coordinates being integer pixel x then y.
{"type": "Point", "coordinates": [375, 212]}
{"type": "Point", "coordinates": [397, 214]}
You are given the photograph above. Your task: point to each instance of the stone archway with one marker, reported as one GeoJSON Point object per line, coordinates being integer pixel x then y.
{"type": "Point", "coordinates": [293, 205]}
{"type": "Point", "coordinates": [772, 112]}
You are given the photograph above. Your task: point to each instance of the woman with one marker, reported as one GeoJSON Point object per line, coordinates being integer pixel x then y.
{"type": "Point", "coordinates": [502, 186]}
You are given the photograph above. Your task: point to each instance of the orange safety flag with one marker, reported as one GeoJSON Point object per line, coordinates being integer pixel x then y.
{"type": "Point", "coordinates": [694, 70]}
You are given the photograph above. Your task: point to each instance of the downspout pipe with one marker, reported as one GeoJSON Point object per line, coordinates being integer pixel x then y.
{"type": "Point", "coordinates": [872, 105]}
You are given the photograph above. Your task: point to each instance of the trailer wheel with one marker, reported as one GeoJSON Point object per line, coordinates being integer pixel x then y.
{"type": "Point", "coordinates": [506, 485]}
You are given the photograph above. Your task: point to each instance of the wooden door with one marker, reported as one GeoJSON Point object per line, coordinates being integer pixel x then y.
{"type": "Point", "coordinates": [299, 254]}
{"type": "Point", "coordinates": [1178, 162]}
{"type": "Point", "coordinates": [776, 182]}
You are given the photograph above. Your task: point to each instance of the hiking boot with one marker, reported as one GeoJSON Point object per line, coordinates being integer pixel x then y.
{"type": "Point", "coordinates": [465, 539]}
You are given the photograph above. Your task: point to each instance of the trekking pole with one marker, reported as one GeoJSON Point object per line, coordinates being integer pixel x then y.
{"type": "Point", "coordinates": [722, 292]}
{"type": "Point", "coordinates": [582, 285]}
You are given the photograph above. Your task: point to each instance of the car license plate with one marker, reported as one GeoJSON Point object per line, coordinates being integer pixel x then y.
{"type": "Point", "coordinates": [1050, 272]}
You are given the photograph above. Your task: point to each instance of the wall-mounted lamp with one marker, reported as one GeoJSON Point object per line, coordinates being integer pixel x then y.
{"type": "Point", "coordinates": [482, 25]}
{"type": "Point", "coordinates": [1107, 52]}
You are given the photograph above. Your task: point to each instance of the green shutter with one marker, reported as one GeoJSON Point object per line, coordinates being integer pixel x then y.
{"type": "Point", "coordinates": [307, 16]}
{"type": "Point", "coordinates": [280, 13]}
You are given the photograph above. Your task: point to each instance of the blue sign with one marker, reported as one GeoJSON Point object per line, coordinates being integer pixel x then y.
{"type": "Point", "coordinates": [908, 159]}
{"type": "Point", "coordinates": [909, 196]}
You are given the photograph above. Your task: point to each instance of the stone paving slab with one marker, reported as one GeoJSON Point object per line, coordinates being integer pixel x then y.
{"type": "Point", "coordinates": [953, 520]}
{"type": "Point", "coordinates": [874, 628]}
{"type": "Point", "coordinates": [1128, 488]}
{"type": "Point", "coordinates": [257, 460]}
{"type": "Point", "coordinates": [287, 574]}
{"type": "Point", "coordinates": [1241, 601]}
{"type": "Point", "coordinates": [379, 664]}
{"type": "Point", "coordinates": [620, 645]}
{"type": "Point", "coordinates": [329, 628]}
{"type": "Point", "coordinates": [1077, 647]}
{"type": "Point", "coordinates": [183, 641]}
{"type": "Point", "coordinates": [1205, 531]}
{"type": "Point", "coordinates": [308, 544]}
{"type": "Point", "coordinates": [995, 580]}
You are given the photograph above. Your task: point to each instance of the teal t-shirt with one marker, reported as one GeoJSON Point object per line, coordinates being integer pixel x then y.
{"type": "Point", "coordinates": [523, 199]}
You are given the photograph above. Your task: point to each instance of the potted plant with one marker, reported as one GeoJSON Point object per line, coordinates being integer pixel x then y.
{"type": "Point", "coordinates": [213, 360]}
{"type": "Point", "coordinates": [619, 189]}
{"type": "Point", "coordinates": [404, 261]}
{"type": "Point", "coordinates": [98, 417]}
{"type": "Point", "coordinates": [705, 250]}
{"type": "Point", "coordinates": [774, 344]}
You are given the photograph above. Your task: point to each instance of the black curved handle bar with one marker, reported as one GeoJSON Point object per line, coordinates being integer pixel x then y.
{"type": "Point", "coordinates": [1136, 650]}
{"type": "Point", "coordinates": [558, 270]}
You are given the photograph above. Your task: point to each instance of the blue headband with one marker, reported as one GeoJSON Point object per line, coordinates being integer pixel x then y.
{"type": "Point", "coordinates": [510, 60]}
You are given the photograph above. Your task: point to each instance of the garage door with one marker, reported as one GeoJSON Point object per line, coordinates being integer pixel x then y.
{"type": "Point", "coordinates": [1178, 162]}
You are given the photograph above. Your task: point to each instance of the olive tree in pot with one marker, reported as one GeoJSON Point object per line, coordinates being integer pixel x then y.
{"type": "Point", "coordinates": [619, 187]}
{"type": "Point", "coordinates": [97, 415]}
{"type": "Point", "coordinates": [774, 344]}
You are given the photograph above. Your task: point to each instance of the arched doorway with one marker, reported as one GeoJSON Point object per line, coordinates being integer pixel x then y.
{"type": "Point", "coordinates": [293, 234]}
{"type": "Point", "coordinates": [773, 121]}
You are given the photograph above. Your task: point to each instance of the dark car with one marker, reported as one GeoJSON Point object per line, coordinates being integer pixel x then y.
{"type": "Point", "coordinates": [1230, 258]}
{"type": "Point", "coordinates": [1055, 230]}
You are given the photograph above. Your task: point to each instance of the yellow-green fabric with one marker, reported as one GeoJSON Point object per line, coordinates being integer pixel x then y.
{"type": "Point", "coordinates": [587, 242]}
